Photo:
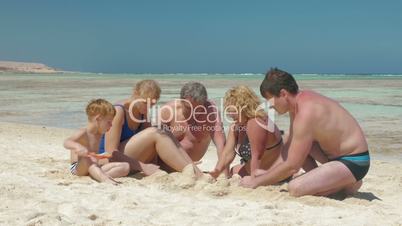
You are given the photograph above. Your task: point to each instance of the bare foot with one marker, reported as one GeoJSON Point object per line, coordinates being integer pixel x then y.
{"type": "Point", "coordinates": [149, 169]}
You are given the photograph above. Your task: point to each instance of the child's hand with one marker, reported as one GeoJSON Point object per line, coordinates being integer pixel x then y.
{"type": "Point", "coordinates": [93, 159]}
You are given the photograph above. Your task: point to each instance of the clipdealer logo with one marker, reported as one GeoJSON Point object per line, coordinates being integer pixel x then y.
{"type": "Point", "coordinates": [200, 114]}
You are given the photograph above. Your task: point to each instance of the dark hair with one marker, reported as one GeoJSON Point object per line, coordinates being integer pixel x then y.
{"type": "Point", "coordinates": [275, 80]}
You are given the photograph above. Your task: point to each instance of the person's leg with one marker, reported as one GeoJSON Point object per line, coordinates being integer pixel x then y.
{"type": "Point", "coordinates": [87, 166]}
{"type": "Point", "coordinates": [97, 174]}
{"type": "Point", "coordinates": [348, 190]}
{"type": "Point", "coordinates": [150, 142]}
{"type": "Point", "coordinates": [82, 166]}
{"type": "Point", "coordinates": [326, 179]}
{"type": "Point", "coordinates": [353, 188]}
{"type": "Point", "coordinates": [135, 165]}
{"type": "Point", "coordinates": [141, 146]}
{"type": "Point", "coordinates": [116, 169]}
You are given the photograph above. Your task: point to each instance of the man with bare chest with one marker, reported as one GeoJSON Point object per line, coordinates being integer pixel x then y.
{"type": "Point", "coordinates": [194, 121]}
{"type": "Point", "coordinates": [321, 131]}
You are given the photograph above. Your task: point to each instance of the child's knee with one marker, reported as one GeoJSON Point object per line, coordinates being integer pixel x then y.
{"type": "Point", "coordinates": [83, 166]}
{"type": "Point", "coordinates": [81, 170]}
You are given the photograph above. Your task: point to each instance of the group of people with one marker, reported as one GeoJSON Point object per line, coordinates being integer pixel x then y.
{"type": "Point", "coordinates": [323, 152]}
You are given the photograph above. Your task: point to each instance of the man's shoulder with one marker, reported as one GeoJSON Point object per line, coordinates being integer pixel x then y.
{"type": "Point", "coordinates": [312, 102]}
{"type": "Point", "coordinates": [308, 99]}
{"type": "Point", "coordinates": [311, 107]}
{"type": "Point", "coordinates": [310, 96]}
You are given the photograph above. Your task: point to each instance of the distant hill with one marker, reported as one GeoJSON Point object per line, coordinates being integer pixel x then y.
{"type": "Point", "coordinates": [11, 66]}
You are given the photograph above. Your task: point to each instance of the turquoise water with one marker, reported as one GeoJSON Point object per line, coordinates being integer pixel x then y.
{"type": "Point", "coordinates": [59, 99]}
{"type": "Point", "coordinates": [245, 76]}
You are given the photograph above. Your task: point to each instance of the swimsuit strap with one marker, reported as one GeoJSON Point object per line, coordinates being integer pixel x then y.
{"type": "Point", "coordinates": [122, 106]}
{"type": "Point", "coordinates": [125, 116]}
{"type": "Point", "coordinates": [275, 145]}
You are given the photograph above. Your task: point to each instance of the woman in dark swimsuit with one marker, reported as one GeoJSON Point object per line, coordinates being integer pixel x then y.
{"type": "Point", "coordinates": [249, 136]}
{"type": "Point", "coordinates": [132, 139]}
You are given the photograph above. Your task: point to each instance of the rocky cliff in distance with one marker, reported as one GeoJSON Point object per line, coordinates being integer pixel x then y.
{"type": "Point", "coordinates": [21, 67]}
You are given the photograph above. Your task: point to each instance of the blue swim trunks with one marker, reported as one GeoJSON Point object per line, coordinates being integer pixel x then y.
{"type": "Point", "coordinates": [358, 164]}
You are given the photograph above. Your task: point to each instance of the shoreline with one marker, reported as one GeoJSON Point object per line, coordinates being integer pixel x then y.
{"type": "Point", "coordinates": [336, 76]}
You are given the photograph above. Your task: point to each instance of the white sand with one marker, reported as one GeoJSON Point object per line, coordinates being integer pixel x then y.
{"type": "Point", "coordinates": [37, 189]}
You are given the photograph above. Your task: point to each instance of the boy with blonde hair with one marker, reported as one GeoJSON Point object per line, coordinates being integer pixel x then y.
{"type": "Point", "coordinates": [84, 145]}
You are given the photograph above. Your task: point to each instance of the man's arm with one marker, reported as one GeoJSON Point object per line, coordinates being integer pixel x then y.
{"type": "Point", "coordinates": [299, 148]}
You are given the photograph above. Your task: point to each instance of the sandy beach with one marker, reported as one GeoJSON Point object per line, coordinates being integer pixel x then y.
{"type": "Point", "coordinates": [37, 189]}
{"type": "Point", "coordinates": [39, 111]}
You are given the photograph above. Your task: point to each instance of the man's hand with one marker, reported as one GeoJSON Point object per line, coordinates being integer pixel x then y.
{"type": "Point", "coordinates": [248, 182]}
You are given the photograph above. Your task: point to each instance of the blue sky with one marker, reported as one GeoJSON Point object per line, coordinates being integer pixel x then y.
{"type": "Point", "coordinates": [204, 36]}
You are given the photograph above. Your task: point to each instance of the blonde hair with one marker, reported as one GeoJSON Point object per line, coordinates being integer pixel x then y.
{"type": "Point", "coordinates": [147, 89]}
{"type": "Point", "coordinates": [244, 100]}
{"type": "Point", "coordinates": [99, 107]}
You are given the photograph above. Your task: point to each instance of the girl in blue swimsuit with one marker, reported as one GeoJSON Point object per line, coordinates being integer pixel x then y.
{"type": "Point", "coordinates": [132, 139]}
